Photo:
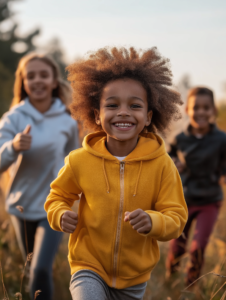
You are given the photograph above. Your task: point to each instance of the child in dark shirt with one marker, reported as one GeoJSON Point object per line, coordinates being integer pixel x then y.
{"type": "Point", "coordinates": [200, 156]}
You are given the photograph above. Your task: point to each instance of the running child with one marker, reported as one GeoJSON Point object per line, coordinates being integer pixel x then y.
{"type": "Point", "coordinates": [200, 156]}
{"type": "Point", "coordinates": [35, 136]}
{"type": "Point", "coordinates": [131, 192]}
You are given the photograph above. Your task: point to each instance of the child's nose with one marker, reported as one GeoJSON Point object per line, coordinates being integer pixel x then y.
{"type": "Point", "coordinates": [123, 112]}
{"type": "Point", "coordinates": [37, 78]}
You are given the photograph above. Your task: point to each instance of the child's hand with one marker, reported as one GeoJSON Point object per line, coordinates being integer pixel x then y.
{"type": "Point", "coordinates": [179, 165]}
{"type": "Point", "coordinates": [22, 141]}
{"type": "Point", "coordinates": [139, 220]}
{"type": "Point", "coordinates": [222, 180]}
{"type": "Point", "coordinates": [68, 221]}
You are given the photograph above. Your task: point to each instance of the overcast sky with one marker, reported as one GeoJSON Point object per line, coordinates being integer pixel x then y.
{"type": "Point", "coordinates": [192, 33]}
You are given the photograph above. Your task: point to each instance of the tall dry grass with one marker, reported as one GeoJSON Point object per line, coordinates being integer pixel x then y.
{"type": "Point", "coordinates": [211, 286]}
{"type": "Point", "coordinates": [15, 272]}
{"type": "Point", "coordinates": [158, 287]}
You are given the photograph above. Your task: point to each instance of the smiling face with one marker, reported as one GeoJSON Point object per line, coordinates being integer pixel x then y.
{"type": "Point", "coordinates": [38, 80]}
{"type": "Point", "coordinates": [123, 110]}
{"type": "Point", "coordinates": [200, 110]}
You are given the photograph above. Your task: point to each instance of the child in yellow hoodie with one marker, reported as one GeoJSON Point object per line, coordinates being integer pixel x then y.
{"type": "Point", "coordinates": [131, 193]}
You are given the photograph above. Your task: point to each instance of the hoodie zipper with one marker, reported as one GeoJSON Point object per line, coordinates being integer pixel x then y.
{"type": "Point", "coordinates": [117, 239]}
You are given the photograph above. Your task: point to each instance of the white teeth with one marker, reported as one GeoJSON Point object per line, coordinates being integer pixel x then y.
{"type": "Point", "coordinates": [123, 125]}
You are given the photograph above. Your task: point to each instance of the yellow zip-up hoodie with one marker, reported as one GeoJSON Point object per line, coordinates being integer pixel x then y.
{"type": "Point", "coordinates": [102, 241]}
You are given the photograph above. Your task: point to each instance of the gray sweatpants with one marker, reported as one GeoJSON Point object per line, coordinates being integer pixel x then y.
{"type": "Point", "coordinates": [87, 285]}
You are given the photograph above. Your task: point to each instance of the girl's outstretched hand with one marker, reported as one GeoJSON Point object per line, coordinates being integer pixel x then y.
{"type": "Point", "coordinates": [68, 221]}
{"type": "Point", "coordinates": [139, 220]}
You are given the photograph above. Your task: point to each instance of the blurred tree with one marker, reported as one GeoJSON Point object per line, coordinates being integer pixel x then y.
{"type": "Point", "coordinates": [4, 11]}
{"type": "Point", "coordinates": [6, 84]}
{"type": "Point", "coordinates": [12, 48]}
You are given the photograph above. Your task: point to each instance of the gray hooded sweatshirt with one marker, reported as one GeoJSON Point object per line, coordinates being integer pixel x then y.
{"type": "Point", "coordinates": [54, 134]}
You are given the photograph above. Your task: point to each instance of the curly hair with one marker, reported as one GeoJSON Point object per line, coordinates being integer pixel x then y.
{"type": "Point", "coordinates": [89, 76]}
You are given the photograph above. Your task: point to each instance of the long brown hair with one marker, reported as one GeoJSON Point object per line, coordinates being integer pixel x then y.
{"type": "Point", "coordinates": [62, 91]}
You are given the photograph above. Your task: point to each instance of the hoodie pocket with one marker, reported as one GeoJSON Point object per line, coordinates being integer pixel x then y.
{"type": "Point", "coordinates": [82, 249]}
{"type": "Point", "coordinates": [138, 258]}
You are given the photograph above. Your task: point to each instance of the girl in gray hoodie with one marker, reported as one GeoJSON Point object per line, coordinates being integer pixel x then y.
{"type": "Point", "coordinates": [35, 136]}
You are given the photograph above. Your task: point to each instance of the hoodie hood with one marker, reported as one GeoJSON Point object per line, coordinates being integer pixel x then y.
{"type": "Point", "coordinates": [149, 146]}
{"type": "Point", "coordinates": [28, 109]}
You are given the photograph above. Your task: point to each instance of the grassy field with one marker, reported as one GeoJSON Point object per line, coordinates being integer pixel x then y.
{"type": "Point", "coordinates": [158, 288]}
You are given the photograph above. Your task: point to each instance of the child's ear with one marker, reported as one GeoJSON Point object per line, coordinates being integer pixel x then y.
{"type": "Point", "coordinates": [186, 109]}
{"type": "Point", "coordinates": [97, 116]}
{"type": "Point", "coordinates": [215, 111]}
{"type": "Point", "coordinates": [55, 84]}
{"type": "Point", "coordinates": [149, 117]}
{"type": "Point", "coordinates": [214, 116]}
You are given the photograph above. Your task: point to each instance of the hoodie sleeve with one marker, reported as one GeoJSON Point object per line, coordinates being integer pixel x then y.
{"type": "Point", "coordinates": [73, 141]}
{"type": "Point", "coordinates": [64, 191]}
{"type": "Point", "coordinates": [8, 131]}
{"type": "Point", "coordinates": [170, 214]}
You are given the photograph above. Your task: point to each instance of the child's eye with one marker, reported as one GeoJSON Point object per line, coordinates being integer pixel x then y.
{"type": "Point", "coordinates": [135, 106]}
{"type": "Point", "coordinates": [112, 105]}
{"type": "Point", "coordinates": [30, 76]}
{"type": "Point", "coordinates": [44, 75]}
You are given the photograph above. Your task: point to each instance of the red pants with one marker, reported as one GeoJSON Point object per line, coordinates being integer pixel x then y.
{"type": "Point", "coordinates": [206, 216]}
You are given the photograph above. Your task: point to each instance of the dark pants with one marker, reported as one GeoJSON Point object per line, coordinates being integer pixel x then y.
{"type": "Point", "coordinates": [43, 242]}
{"type": "Point", "coordinates": [206, 216]}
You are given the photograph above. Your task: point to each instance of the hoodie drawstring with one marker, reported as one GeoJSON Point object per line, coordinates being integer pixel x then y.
{"type": "Point", "coordinates": [105, 176]}
{"type": "Point", "coordinates": [138, 177]}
